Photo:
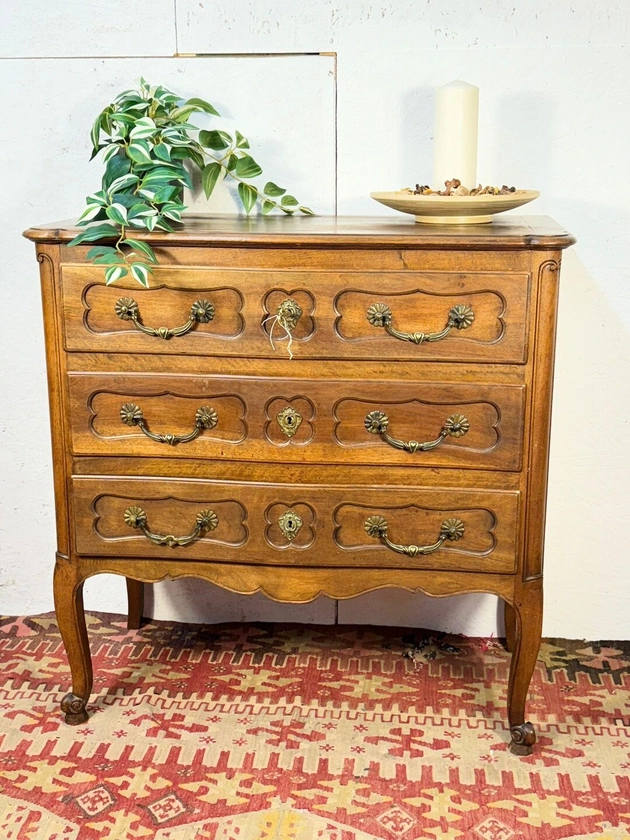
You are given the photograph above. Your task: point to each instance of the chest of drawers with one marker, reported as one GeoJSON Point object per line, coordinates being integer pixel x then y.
{"type": "Point", "coordinates": [307, 406]}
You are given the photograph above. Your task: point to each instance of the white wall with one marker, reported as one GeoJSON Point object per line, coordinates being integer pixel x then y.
{"type": "Point", "coordinates": [555, 116]}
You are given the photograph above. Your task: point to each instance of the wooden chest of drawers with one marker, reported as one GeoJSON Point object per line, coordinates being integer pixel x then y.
{"type": "Point", "coordinates": [268, 416]}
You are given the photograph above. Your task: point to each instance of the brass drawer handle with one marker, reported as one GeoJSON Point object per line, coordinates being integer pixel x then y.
{"type": "Point", "coordinates": [205, 418]}
{"type": "Point", "coordinates": [452, 529]}
{"type": "Point", "coordinates": [376, 423]}
{"type": "Point", "coordinates": [202, 311]}
{"type": "Point", "coordinates": [206, 520]}
{"type": "Point", "coordinates": [460, 317]}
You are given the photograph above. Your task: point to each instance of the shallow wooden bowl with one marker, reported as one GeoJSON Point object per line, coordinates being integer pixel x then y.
{"type": "Point", "coordinates": [454, 209]}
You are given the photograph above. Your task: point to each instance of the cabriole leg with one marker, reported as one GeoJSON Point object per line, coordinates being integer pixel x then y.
{"type": "Point", "coordinates": [510, 626]}
{"type": "Point", "coordinates": [528, 614]}
{"type": "Point", "coordinates": [135, 602]}
{"type": "Point", "coordinates": [68, 589]}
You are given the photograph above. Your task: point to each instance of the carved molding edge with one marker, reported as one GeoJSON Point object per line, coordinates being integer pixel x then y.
{"type": "Point", "coordinates": [87, 307]}
{"type": "Point", "coordinates": [298, 585]}
{"type": "Point", "coordinates": [307, 316]}
{"type": "Point", "coordinates": [417, 291]}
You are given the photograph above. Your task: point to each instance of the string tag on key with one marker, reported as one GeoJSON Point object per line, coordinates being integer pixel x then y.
{"type": "Point", "coordinates": [287, 315]}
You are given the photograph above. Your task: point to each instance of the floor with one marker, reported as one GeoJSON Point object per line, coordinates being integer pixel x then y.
{"type": "Point", "coordinates": [292, 732]}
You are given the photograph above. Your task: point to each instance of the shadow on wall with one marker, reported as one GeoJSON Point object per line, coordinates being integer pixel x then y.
{"type": "Point", "coordinates": [199, 602]}
{"type": "Point", "coordinates": [587, 574]}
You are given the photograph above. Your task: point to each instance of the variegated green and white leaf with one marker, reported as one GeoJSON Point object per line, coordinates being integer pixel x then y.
{"type": "Point", "coordinates": [217, 140]}
{"type": "Point", "coordinates": [209, 177]}
{"type": "Point", "coordinates": [110, 151]}
{"type": "Point", "coordinates": [115, 273]}
{"type": "Point", "coordinates": [93, 234]}
{"type": "Point", "coordinates": [141, 248]}
{"type": "Point", "coordinates": [246, 167]}
{"type": "Point", "coordinates": [273, 189]}
{"type": "Point", "coordinates": [117, 213]}
{"type": "Point", "coordinates": [120, 183]}
{"type": "Point", "coordinates": [100, 250]}
{"type": "Point", "coordinates": [202, 105]}
{"type": "Point", "coordinates": [89, 213]}
{"type": "Point", "coordinates": [140, 273]}
{"type": "Point", "coordinates": [164, 194]}
{"type": "Point", "coordinates": [241, 142]}
{"type": "Point", "coordinates": [109, 259]}
{"type": "Point", "coordinates": [97, 198]}
{"type": "Point", "coordinates": [96, 132]}
{"type": "Point", "coordinates": [139, 151]}
{"type": "Point", "coordinates": [163, 152]}
{"type": "Point", "coordinates": [248, 195]}
{"type": "Point", "coordinates": [144, 127]}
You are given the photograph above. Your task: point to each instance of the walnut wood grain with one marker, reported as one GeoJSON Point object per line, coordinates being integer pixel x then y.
{"type": "Point", "coordinates": [510, 627]}
{"type": "Point", "coordinates": [332, 474]}
{"type": "Point", "coordinates": [505, 233]}
{"type": "Point", "coordinates": [68, 591]}
{"type": "Point", "coordinates": [135, 600]}
{"type": "Point", "coordinates": [334, 519]}
{"type": "Point", "coordinates": [244, 299]}
{"type": "Point", "coordinates": [332, 429]}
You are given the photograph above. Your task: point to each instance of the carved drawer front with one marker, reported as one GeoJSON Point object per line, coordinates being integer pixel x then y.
{"type": "Point", "coordinates": [305, 525]}
{"type": "Point", "coordinates": [416, 424]}
{"type": "Point", "coordinates": [480, 317]}
{"type": "Point", "coordinates": [387, 315]}
{"type": "Point", "coordinates": [295, 421]}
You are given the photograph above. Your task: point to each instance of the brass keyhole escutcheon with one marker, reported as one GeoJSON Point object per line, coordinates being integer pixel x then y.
{"type": "Point", "coordinates": [289, 421]}
{"type": "Point", "coordinates": [290, 524]}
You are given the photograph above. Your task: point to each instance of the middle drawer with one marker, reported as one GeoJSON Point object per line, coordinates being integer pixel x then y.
{"type": "Point", "coordinates": [335, 421]}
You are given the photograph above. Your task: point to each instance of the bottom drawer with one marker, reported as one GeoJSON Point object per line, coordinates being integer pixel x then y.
{"type": "Point", "coordinates": [306, 525]}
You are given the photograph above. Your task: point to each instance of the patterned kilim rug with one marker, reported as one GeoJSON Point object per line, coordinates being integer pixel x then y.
{"type": "Point", "coordinates": [263, 732]}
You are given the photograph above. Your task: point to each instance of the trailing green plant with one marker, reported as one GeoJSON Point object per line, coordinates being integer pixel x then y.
{"type": "Point", "coordinates": [147, 142]}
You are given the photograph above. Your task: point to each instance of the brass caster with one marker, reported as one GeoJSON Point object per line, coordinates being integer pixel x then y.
{"type": "Point", "coordinates": [74, 708]}
{"type": "Point", "coordinates": [523, 739]}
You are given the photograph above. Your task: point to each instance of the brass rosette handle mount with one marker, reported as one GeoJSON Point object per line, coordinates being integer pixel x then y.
{"type": "Point", "coordinates": [376, 422]}
{"type": "Point", "coordinates": [460, 317]}
{"type": "Point", "coordinates": [288, 313]}
{"type": "Point", "coordinates": [377, 527]}
{"type": "Point", "coordinates": [136, 518]}
{"type": "Point", "coordinates": [201, 312]}
{"type": "Point", "coordinates": [205, 418]}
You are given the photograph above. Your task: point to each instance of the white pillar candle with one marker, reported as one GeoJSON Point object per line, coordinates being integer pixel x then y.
{"type": "Point", "coordinates": [455, 136]}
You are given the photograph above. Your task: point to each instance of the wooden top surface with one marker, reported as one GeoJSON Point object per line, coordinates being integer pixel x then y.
{"type": "Point", "coordinates": [504, 233]}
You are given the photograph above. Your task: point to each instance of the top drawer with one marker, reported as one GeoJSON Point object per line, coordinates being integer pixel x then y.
{"type": "Point", "coordinates": [384, 315]}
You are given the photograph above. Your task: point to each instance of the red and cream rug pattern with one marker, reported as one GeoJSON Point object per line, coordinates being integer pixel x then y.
{"type": "Point", "coordinates": [284, 732]}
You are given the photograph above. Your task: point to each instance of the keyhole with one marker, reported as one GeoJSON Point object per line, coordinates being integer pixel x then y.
{"type": "Point", "coordinates": [289, 420]}
{"type": "Point", "coordinates": [290, 524]}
